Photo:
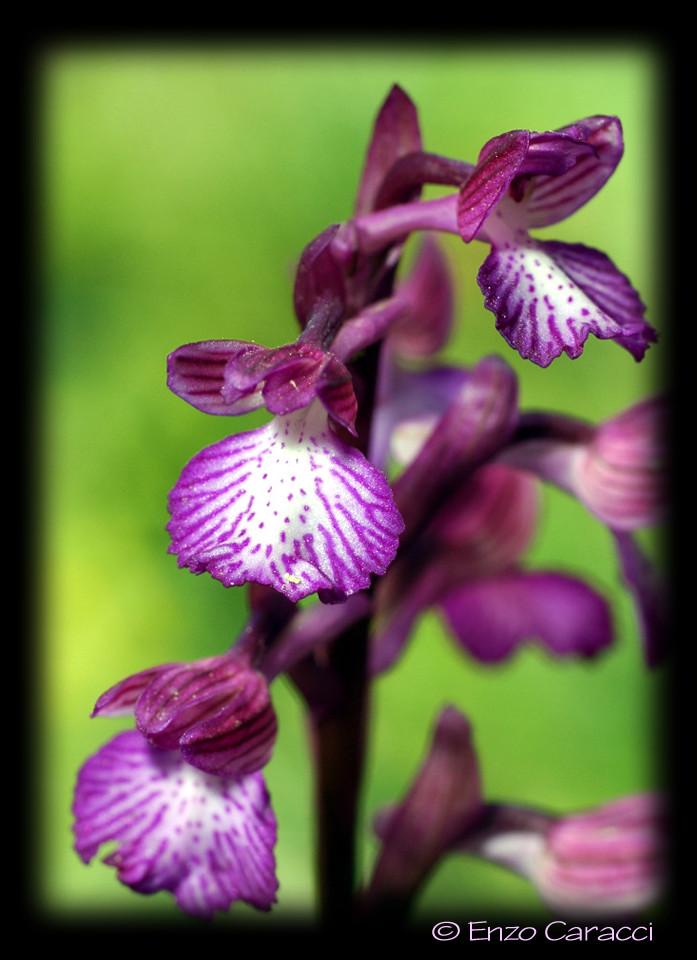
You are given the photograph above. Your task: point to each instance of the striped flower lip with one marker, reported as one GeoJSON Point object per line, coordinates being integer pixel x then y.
{"type": "Point", "coordinates": [206, 839]}
{"type": "Point", "coordinates": [290, 505]}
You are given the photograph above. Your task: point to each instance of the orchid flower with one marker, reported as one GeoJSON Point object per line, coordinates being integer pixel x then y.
{"type": "Point", "coordinates": [468, 531]}
{"type": "Point", "coordinates": [607, 861]}
{"type": "Point", "coordinates": [386, 482]}
{"type": "Point", "coordinates": [618, 471]}
{"type": "Point", "coordinates": [547, 296]}
{"type": "Point", "coordinates": [208, 840]}
{"type": "Point", "coordinates": [183, 795]}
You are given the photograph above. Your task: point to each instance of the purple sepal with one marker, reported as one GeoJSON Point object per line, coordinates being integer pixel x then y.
{"type": "Point", "coordinates": [318, 277]}
{"type": "Point", "coordinates": [498, 164]}
{"type": "Point", "coordinates": [120, 700]}
{"type": "Point", "coordinates": [492, 616]}
{"type": "Point", "coordinates": [424, 328]}
{"type": "Point", "coordinates": [217, 711]}
{"type": "Point", "coordinates": [443, 802]}
{"type": "Point", "coordinates": [606, 861]}
{"type": "Point", "coordinates": [617, 470]}
{"type": "Point", "coordinates": [475, 425]}
{"type": "Point", "coordinates": [622, 475]}
{"type": "Point", "coordinates": [290, 505]}
{"type": "Point", "coordinates": [549, 297]}
{"type": "Point", "coordinates": [207, 840]}
{"type": "Point", "coordinates": [233, 376]}
{"type": "Point", "coordinates": [547, 175]}
{"type": "Point", "coordinates": [588, 153]}
{"type": "Point", "coordinates": [196, 373]}
{"type": "Point", "coordinates": [642, 580]}
{"type": "Point", "coordinates": [395, 134]}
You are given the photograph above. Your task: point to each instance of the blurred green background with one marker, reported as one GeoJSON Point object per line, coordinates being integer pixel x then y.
{"type": "Point", "coordinates": [177, 187]}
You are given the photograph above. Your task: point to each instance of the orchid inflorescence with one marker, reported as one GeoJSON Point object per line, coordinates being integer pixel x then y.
{"type": "Point", "coordinates": [383, 484]}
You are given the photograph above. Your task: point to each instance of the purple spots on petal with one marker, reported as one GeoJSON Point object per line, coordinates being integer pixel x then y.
{"type": "Point", "coordinates": [356, 514]}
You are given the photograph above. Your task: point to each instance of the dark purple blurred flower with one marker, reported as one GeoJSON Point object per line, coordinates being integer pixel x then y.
{"type": "Point", "coordinates": [469, 521]}
{"type": "Point", "coordinates": [608, 861]}
{"type": "Point", "coordinates": [619, 471]}
{"type": "Point", "coordinates": [443, 802]}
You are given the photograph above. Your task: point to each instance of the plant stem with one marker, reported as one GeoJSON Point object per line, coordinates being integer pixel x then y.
{"type": "Point", "coordinates": [340, 750]}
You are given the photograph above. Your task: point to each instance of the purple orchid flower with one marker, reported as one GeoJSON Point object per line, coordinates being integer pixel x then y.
{"type": "Point", "coordinates": [292, 504]}
{"type": "Point", "coordinates": [608, 861]}
{"type": "Point", "coordinates": [549, 296]}
{"type": "Point", "coordinates": [469, 521]}
{"type": "Point", "coordinates": [209, 840]}
{"type": "Point", "coordinates": [605, 862]}
{"type": "Point", "coordinates": [183, 796]}
{"type": "Point", "coordinates": [618, 471]}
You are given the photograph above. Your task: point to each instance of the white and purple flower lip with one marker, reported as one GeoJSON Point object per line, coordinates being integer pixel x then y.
{"type": "Point", "coordinates": [291, 505]}
{"type": "Point", "coordinates": [209, 840]}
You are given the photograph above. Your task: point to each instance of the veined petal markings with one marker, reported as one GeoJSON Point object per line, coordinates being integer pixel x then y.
{"type": "Point", "coordinates": [289, 504]}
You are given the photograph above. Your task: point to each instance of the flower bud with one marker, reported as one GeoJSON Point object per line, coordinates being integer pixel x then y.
{"type": "Point", "coordinates": [217, 711]}
{"type": "Point", "coordinates": [608, 861]}
{"type": "Point", "coordinates": [620, 475]}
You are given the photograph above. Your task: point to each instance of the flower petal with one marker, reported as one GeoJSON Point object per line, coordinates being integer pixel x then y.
{"type": "Point", "coordinates": [290, 505]}
{"type": "Point", "coordinates": [549, 297]}
{"type": "Point", "coordinates": [490, 617]}
{"type": "Point", "coordinates": [476, 424]}
{"type": "Point", "coordinates": [498, 163]}
{"type": "Point", "coordinates": [607, 861]}
{"type": "Point", "coordinates": [592, 149]}
{"type": "Point", "coordinates": [621, 474]}
{"type": "Point", "coordinates": [196, 373]}
{"type": "Point", "coordinates": [650, 596]}
{"type": "Point", "coordinates": [217, 711]}
{"type": "Point", "coordinates": [395, 134]}
{"type": "Point", "coordinates": [443, 801]}
{"type": "Point", "coordinates": [425, 327]}
{"type": "Point", "coordinates": [207, 840]}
